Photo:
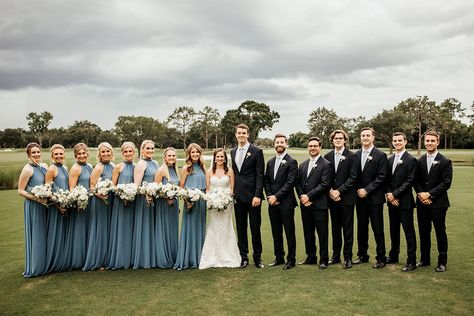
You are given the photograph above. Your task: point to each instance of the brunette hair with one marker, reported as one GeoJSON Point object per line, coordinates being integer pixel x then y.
{"type": "Point", "coordinates": [278, 135]}
{"type": "Point", "coordinates": [431, 133]}
{"type": "Point", "coordinates": [189, 161]}
{"type": "Point", "coordinates": [339, 131]}
{"type": "Point", "coordinates": [368, 129]}
{"type": "Point", "coordinates": [214, 164]}
{"type": "Point", "coordinates": [31, 146]}
{"type": "Point", "coordinates": [400, 134]}
{"type": "Point", "coordinates": [243, 126]}
{"type": "Point", "coordinates": [320, 142]}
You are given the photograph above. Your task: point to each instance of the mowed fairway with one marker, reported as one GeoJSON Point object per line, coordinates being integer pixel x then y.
{"type": "Point", "coordinates": [303, 290]}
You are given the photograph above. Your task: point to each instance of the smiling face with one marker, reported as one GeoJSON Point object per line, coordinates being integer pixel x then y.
{"type": "Point", "coordinates": [399, 143]}
{"type": "Point", "coordinates": [128, 153]}
{"type": "Point", "coordinates": [170, 157]}
{"type": "Point", "coordinates": [280, 145]}
{"type": "Point", "coordinates": [242, 136]}
{"type": "Point", "coordinates": [220, 158]}
{"type": "Point", "coordinates": [105, 154]}
{"type": "Point", "coordinates": [82, 155]}
{"type": "Point", "coordinates": [314, 148]}
{"type": "Point", "coordinates": [431, 143]}
{"type": "Point", "coordinates": [148, 150]}
{"type": "Point", "coordinates": [195, 155]}
{"type": "Point", "coordinates": [58, 156]}
{"type": "Point", "coordinates": [339, 141]}
{"type": "Point", "coordinates": [35, 155]}
{"type": "Point", "coordinates": [367, 138]}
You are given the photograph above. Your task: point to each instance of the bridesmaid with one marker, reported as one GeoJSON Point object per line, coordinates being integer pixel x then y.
{"type": "Point", "coordinates": [76, 240]}
{"type": "Point", "coordinates": [193, 228]}
{"type": "Point", "coordinates": [99, 216]}
{"type": "Point", "coordinates": [166, 214]}
{"type": "Point", "coordinates": [32, 175]}
{"type": "Point", "coordinates": [121, 224]}
{"type": "Point", "coordinates": [143, 245]}
{"type": "Point", "coordinates": [56, 249]}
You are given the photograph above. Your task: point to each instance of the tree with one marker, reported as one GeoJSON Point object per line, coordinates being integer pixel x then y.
{"type": "Point", "coordinates": [208, 122]}
{"type": "Point", "coordinates": [419, 111]}
{"type": "Point", "coordinates": [451, 113]}
{"type": "Point", "coordinates": [257, 116]}
{"type": "Point", "coordinates": [388, 122]}
{"type": "Point", "coordinates": [12, 138]}
{"type": "Point", "coordinates": [38, 124]}
{"type": "Point", "coordinates": [228, 123]}
{"type": "Point", "coordinates": [352, 128]}
{"type": "Point", "coordinates": [108, 136]}
{"type": "Point", "coordinates": [83, 132]}
{"type": "Point", "coordinates": [298, 140]}
{"type": "Point", "coordinates": [181, 119]}
{"type": "Point", "coordinates": [322, 122]}
{"type": "Point", "coordinates": [138, 128]}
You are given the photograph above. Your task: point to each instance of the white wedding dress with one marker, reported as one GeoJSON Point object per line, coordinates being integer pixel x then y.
{"type": "Point", "coordinates": [220, 246]}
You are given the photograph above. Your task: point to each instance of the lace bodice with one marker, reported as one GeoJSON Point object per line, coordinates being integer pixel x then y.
{"type": "Point", "coordinates": [220, 183]}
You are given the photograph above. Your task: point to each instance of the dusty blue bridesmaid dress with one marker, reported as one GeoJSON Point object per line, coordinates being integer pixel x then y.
{"type": "Point", "coordinates": [76, 239]}
{"type": "Point", "coordinates": [121, 225]}
{"type": "Point", "coordinates": [99, 221]}
{"type": "Point", "coordinates": [57, 227]}
{"type": "Point", "coordinates": [166, 227]}
{"type": "Point", "coordinates": [143, 245]}
{"type": "Point", "coordinates": [193, 227]}
{"type": "Point", "coordinates": [35, 228]}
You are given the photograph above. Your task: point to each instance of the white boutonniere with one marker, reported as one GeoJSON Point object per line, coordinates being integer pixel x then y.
{"type": "Point", "coordinates": [342, 158]}
{"type": "Point", "coordinates": [399, 162]}
{"type": "Point", "coordinates": [435, 162]}
{"type": "Point", "coordinates": [369, 157]}
{"type": "Point", "coordinates": [315, 165]}
{"type": "Point", "coordinates": [283, 162]}
{"type": "Point", "coordinates": [248, 154]}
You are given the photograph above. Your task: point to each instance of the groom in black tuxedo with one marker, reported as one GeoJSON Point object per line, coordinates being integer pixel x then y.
{"type": "Point", "coordinates": [312, 186]}
{"type": "Point", "coordinates": [435, 173]}
{"type": "Point", "coordinates": [280, 178]}
{"type": "Point", "coordinates": [248, 166]}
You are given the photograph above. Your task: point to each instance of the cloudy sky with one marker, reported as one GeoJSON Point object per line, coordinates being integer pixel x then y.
{"type": "Point", "coordinates": [96, 60]}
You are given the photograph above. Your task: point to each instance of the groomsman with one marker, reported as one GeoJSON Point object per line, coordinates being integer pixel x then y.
{"type": "Point", "coordinates": [401, 175]}
{"type": "Point", "coordinates": [343, 197]}
{"type": "Point", "coordinates": [280, 178]}
{"type": "Point", "coordinates": [248, 166]}
{"type": "Point", "coordinates": [372, 164]}
{"type": "Point", "coordinates": [435, 173]}
{"type": "Point", "coordinates": [312, 186]}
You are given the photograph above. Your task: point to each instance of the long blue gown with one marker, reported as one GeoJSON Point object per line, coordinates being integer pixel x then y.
{"type": "Point", "coordinates": [57, 227]}
{"type": "Point", "coordinates": [121, 225]}
{"type": "Point", "coordinates": [35, 228]}
{"type": "Point", "coordinates": [166, 227]}
{"type": "Point", "coordinates": [99, 220]}
{"type": "Point", "coordinates": [76, 239]}
{"type": "Point", "coordinates": [193, 227]}
{"type": "Point", "coordinates": [143, 245]}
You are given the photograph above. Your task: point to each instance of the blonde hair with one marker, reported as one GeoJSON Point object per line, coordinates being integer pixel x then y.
{"type": "Point", "coordinates": [108, 146]}
{"type": "Point", "coordinates": [146, 141]}
{"type": "Point", "coordinates": [54, 147]}
{"type": "Point", "coordinates": [189, 161]}
{"type": "Point", "coordinates": [166, 171]}
{"type": "Point", "coordinates": [78, 147]}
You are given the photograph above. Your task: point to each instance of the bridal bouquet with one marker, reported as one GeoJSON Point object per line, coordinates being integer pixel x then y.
{"type": "Point", "coordinates": [103, 187]}
{"type": "Point", "coordinates": [126, 192]}
{"type": "Point", "coordinates": [42, 193]}
{"type": "Point", "coordinates": [150, 190]}
{"type": "Point", "coordinates": [79, 197]}
{"type": "Point", "coordinates": [190, 196]}
{"type": "Point", "coordinates": [62, 198]}
{"type": "Point", "coordinates": [218, 200]}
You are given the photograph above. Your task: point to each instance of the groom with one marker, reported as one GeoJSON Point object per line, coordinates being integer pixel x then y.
{"type": "Point", "coordinates": [248, 166]}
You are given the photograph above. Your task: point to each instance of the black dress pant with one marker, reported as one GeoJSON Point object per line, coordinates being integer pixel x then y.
{"type": "Point", "coordinates": [243, 212]}
{"type": "Point", "coordinates": [404, 217]}
{"type": "Point", "coordinates": [426, 216]}
{"type": "Point", "coordinates": [342, 224]}
{"type": "Point", "coordinates": [283, 219]}
{"type": "Point", "coordinates": [315, 219]}
{"type": "Point", "coordinates": [372, 213]}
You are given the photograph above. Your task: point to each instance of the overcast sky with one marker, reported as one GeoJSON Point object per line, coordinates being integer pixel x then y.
{"type": "Point", "coordinates": [97, 60]}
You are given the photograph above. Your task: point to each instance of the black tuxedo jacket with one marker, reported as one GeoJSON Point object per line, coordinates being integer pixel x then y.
{"type": "Point", "coordinates": [316, 185]}
{"type": "Point", "coordinates": [345, 178]}
{"type": "Point", "coordinates": [372, 178]}
{"type": "Point", "coordinates": [400, 183]}
{"type": "Point", "coordinates": [249, 180]}
{"type": "Point", "coordinates": [283, 185]}
{"type": "Point", "coordinates": [437, 182]}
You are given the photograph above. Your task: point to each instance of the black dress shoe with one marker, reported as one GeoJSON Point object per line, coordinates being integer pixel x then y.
{"type": "Point", "coordinates": [347, 264]}
{"type": "Point", "coordinates": [289, 265]}
{"type": "Point", "coordinates": [244, 263]}
{"type": "Point", "coordinates": [362, 259]}
{"type": "Point", "coordinates": [379, 265]}
{"type": "Point", "coordinates": [308, 261]}
{"type": "Point", "coordinates": [277, 262]}
{"type": "Point", "coordinates": [334, 260]}
{"type": "Point", "coordinates": [422, 264]}
{"type": "Point", "coordinates": [409, 267]}
{"type": "Point", "coordinates": [323, 266]}
{"type": "Point", "coordinates": [259, 264]}
{"type": "Point", "coordinates": [440, 268]}
{"type": "Point", "coordinates": [391, 260]}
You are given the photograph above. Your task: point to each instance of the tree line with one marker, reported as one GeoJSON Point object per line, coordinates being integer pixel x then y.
{"type": "Point", "coordinates": [207, 127]}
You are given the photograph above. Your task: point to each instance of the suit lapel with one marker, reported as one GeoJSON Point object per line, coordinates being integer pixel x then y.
{"type": "Point", "coordinates": [279, 167]}
{"type": "Point", "coordinates": [433, 164]}
{"type": "Point", "coordinates": [368, 159]}
{"type": "Point", "coordinates": [398, 163]}
{"type": "Point", "coordinates": [314, 168]}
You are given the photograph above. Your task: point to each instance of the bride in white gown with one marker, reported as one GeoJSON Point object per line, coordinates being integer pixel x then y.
{"type": "Point", "coordinates": [220, 246]}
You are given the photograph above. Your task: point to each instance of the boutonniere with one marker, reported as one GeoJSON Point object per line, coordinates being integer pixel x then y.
{"type": "Point", "coordinates": [283, 162]}
{"type": "Point", "coordinates": [399, 162]}
{"type": "Point", "coordinates": [315, 165]}
{"type": "Point", "coordinates": [435, 162]}
{"type": "Point", "coordinates": [369, 157]}
{"type": "Point", "coordinates": [248, 154]}
{"type": "Point", "coordinates": [342, 158]}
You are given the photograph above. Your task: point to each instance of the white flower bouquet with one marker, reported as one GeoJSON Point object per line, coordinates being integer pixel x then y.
{"type": "Point", "coordinates": [62, 199]}
{"type": "Point", "coordinates": [218, 200]}
{"type": "Point", "coordinates": [190, 196]}
{"type": "Point", "coordinates": [169, 191]}
{"type": "Point", "coordinates": [42, 193]}
{"type": "Point", "coordinates": [103, 187]}
{"type": "Point", "coordinates": [79, 197]}
{"type": "Point", "coordinates": [126, 192]}
{"type": "Point", "coordinates": [150, 190]}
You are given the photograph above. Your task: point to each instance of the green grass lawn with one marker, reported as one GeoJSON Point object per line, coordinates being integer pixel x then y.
{"type": "Point", "coordinates": [303, 290]}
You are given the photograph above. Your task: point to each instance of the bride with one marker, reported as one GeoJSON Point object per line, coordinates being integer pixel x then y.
{"type": "Point", "coordinates": [220, 246]}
